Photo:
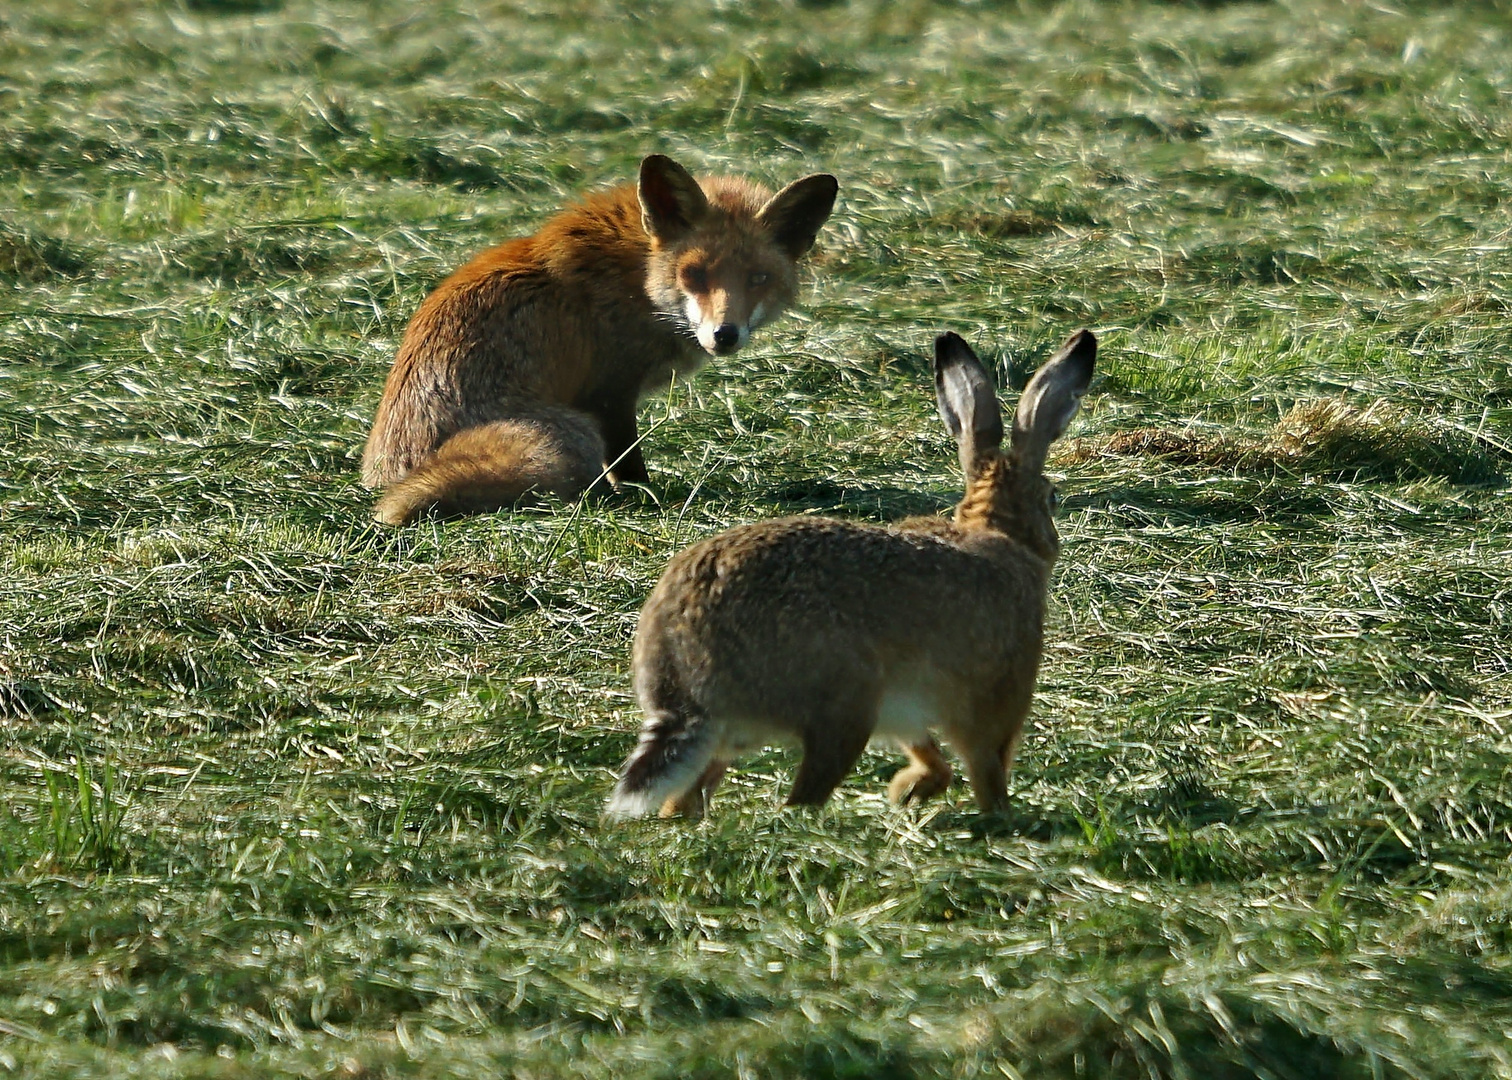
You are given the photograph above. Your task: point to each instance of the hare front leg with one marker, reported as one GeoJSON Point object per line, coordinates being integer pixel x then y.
{"type": "Point", "coordinates": [926, 775]}
{"type": "Point", "coordinates": [988, 773]}
{"type": "Point", "coordinates": [989, 754]}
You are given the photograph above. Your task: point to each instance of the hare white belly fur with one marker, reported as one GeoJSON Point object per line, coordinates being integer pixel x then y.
{"type": "Point", "coordinates": [912, 703]}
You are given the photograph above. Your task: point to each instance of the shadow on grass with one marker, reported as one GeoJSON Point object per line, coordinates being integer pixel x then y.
{"type": "Point", "coordinates": [836, 1050]}
{"type": "Point", "coordinates": [1140, 1031]}
{"type": "Point", "coordinates": [1160, 504]}
{"type": "Point", "coordinates": [1018, 821]}
{"type": "Point", "coordinates": [879, 504]}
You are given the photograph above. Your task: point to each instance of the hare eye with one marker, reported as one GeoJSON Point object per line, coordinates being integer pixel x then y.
{"type": "Point", "coordinates": [759, 278]}
{"type": "Point", "coordinates": [1053, 498]}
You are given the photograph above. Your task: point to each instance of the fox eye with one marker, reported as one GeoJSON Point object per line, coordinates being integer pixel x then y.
{"type": "Point", "coordinates": [695, 278]}
{"type": "Point", "coordinates": [760, 278]}
{"type": "Point", "coordinates": [1053, 498]}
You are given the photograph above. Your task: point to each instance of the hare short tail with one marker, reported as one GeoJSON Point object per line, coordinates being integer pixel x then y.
{"type": "Point", "coordinates": [483, 468]}
{"type": "Point", "coordinates": [674, 750]}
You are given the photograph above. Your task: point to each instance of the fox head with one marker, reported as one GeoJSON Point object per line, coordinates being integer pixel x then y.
{"type": "Point", "coordinates": [724, 253]}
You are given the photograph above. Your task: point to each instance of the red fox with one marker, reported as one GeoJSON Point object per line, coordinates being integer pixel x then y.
{"type": "Point", "coordinates": [522, 370]}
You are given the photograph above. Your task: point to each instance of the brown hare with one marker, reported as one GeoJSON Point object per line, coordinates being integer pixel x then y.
{"type": "Point", "coordinates": [830, 633]}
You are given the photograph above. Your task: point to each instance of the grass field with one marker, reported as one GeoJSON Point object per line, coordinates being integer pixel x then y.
{"type": "Point", "coordinates": [286, 793]}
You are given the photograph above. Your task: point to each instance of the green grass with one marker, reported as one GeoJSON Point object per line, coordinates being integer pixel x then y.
{"type": "Point", "coordinates": [284, 793]}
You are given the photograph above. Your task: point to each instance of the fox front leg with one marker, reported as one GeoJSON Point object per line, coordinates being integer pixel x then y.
{"type": "Point", "coordinates": [622, 452]}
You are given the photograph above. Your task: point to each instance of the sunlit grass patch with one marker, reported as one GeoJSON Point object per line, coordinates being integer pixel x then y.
{"type": "Point", "coordinates": [286, 793]}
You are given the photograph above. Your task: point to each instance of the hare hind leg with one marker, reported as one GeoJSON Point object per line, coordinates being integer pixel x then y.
{"type": "Point", "coordinates": [925, 776]}
{"type": "Point", "coordinates": [829, 754]}
{"type": "Point", "coordinates": [694, 803]}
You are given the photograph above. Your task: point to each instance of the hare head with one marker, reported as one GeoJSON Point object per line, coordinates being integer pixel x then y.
{"type": "Point", "coordinates": [1006, 490]}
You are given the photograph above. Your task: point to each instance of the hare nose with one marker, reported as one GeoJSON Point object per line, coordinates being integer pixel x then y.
{"type": "Point", "coordinates": [727, 336]}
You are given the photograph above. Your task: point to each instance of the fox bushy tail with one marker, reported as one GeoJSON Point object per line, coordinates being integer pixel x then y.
{"type": "Point", "coordinates": [674, 750]}
{"type": "Point", "coordinates": [493, 465]}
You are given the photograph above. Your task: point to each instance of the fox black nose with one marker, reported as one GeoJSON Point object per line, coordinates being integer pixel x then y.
{"type": "Point", "coordinates": [726, 337]}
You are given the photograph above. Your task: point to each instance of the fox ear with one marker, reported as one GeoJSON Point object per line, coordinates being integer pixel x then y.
{"type": "Point", "coordinates": [967, 402]}
{"type": "Point", "coordinates": [795, 214]}
{"type": "Point", "coordinates": [671, 201]}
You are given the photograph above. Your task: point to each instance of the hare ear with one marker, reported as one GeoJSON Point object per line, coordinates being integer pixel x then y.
{"type": "Point", "coordinates": [795, 214]}
{"type": "Point", "coordinates": [671, 201]}
{"type": "Point", "coordinates": [1052, 398]}
{"type": "Point", "coordinates": [967, 402]}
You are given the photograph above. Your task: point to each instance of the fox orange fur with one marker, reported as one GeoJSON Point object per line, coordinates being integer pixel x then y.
{"type": "Point", "coordinates": [521, 372]}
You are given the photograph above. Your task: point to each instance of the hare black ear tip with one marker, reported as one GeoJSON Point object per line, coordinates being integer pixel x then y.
{"type": "Point", "coordinates": [950, 343]}
{"type": "Point", "coordinates": [1082, 347]}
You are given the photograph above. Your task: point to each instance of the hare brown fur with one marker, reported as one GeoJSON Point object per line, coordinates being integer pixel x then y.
{"type": "Point", "coordinates": [829, 633]}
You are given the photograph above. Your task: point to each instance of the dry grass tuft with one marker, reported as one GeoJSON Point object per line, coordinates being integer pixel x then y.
{"type": "Point", "coordinates": [1329, 437]}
